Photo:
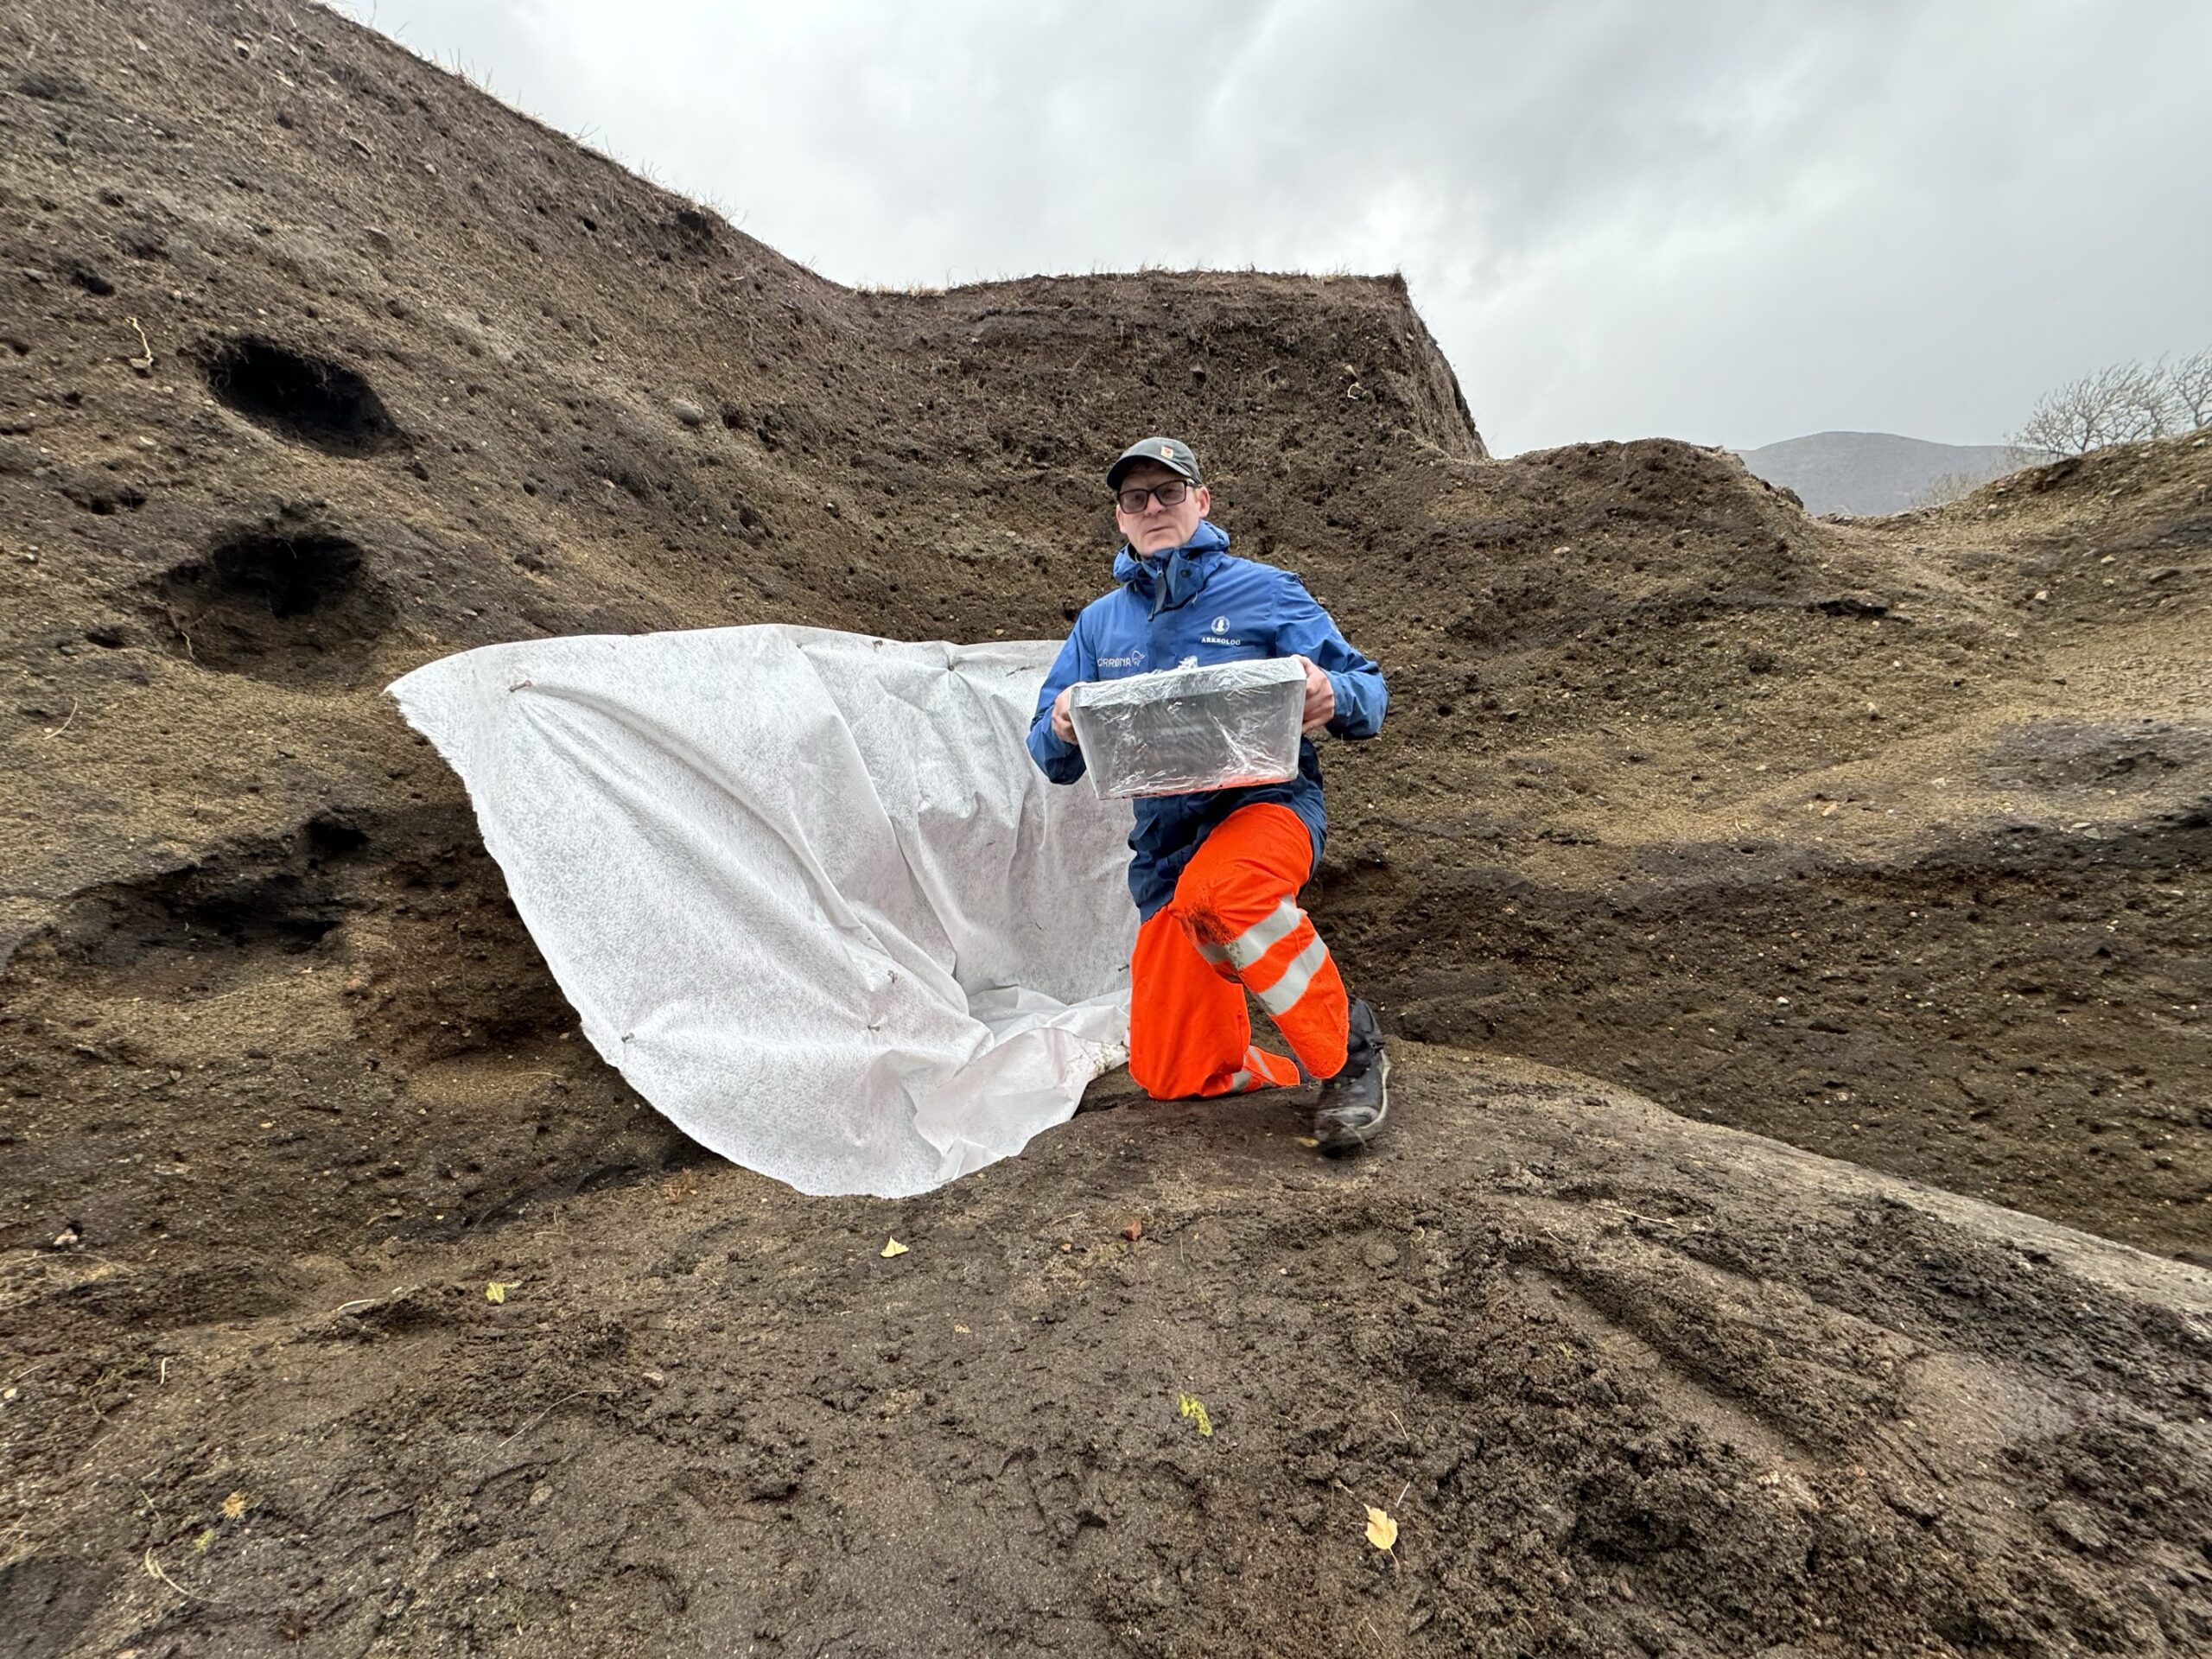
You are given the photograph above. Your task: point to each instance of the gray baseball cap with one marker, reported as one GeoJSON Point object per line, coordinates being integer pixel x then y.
{"type": "Point", "coordinates": [1171, 453]}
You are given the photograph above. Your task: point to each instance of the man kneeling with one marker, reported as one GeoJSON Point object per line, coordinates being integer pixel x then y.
{"type": "Point", "coordinates": [1215, 875]}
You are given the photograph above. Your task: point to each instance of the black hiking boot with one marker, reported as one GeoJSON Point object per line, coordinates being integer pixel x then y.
{"type": "Point", "coordinates": [1355, 1102]}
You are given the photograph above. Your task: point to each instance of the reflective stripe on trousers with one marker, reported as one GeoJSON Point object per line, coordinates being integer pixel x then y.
{"type": "Point", "coordinates": [1244, 952]}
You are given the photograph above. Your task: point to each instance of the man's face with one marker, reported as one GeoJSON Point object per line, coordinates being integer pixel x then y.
{"type": "Point", "coordinates": [1156, 529]}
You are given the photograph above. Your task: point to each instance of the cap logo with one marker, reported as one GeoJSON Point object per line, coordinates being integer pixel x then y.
{"type": "Point", "coordinates": [1168, 450]}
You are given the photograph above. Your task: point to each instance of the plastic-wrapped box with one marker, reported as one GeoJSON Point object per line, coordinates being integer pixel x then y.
{"type": "Point", "coordinates": [1181, 731]}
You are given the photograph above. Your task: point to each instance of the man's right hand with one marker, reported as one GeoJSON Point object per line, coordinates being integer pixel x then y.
{"type": "Point", "coordinates": [1063, 723]}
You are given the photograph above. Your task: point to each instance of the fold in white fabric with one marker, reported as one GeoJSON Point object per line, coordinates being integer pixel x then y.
{"type": "Point", "coordinates": [804, 888]}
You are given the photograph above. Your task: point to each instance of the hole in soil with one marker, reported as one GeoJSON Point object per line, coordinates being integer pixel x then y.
{"type": "Point", "coordinates": [222, 906]}
{"type": "Point", "coordinates": [288, 605]}
{"type": "Point", "coordinates": [307, 399]}
{"type": "Point", "coordinates": [103, 497]}
{"type": "Point", "coordinates": [334, 837]}
{"type": "Point", "coordinates": [694, 229]}
{"type": "Point", "coordinates": [291, 576]}
{"type": "Point", "coordinates": [282, 912]}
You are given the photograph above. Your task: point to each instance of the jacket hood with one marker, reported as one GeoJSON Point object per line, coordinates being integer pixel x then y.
{"type": "Point", "coordinates": [1168, 579]}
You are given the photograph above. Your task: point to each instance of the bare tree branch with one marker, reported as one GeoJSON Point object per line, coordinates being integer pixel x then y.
{"type": "Point", "coordinates": [2189, 386]}
{"type": "Point", "coordinates": [2125, 403]}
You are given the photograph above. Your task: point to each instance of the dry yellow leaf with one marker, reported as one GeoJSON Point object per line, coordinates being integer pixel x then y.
{"type": "Point", "coordinates": [1306, 1141]}
{"type": "Point", "coordinates": [497, 1290]}
{"type": "Point", "coordinates": [234, 1506]}
{"type": "Point", "coordinates": [894, 1248]}
{"type": "Point", "coordinates": [1382, 1530]}
{"type": "Point", "coordinates": [1190, 1406]}
{"type": "Point", "coordinates": [962, 1330]}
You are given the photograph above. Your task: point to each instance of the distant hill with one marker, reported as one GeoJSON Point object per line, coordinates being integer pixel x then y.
{"type": "Point", "coordinates": [1874, 472]}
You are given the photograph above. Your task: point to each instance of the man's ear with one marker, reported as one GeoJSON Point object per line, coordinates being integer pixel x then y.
{"type": "Point", "coordinates": [1206, 500]}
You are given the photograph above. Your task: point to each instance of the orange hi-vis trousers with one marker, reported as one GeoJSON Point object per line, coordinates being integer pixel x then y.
{"type": "Point", "coordinates": [1233, 926]}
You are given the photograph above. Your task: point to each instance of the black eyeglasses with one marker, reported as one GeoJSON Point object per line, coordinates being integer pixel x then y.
{"type": "Point", "coordinates": [1170, 494]}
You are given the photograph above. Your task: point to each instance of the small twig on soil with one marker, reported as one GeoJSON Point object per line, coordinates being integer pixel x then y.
{"type": "Point", "coordinates": [541, 1417]}
{"type": "Point", "coordinates": [363, 1304]}
{"type": "Point", "coordinates": [144, 362]}
{"type": "Point", "coordinates": [100, 1381]}
{"type": "Point", "coordinates": [57, 730]}
{"type": "Point", "coordinates": [153, 1571]}
{"type": "Point", "coordinates": [1626, 1214]}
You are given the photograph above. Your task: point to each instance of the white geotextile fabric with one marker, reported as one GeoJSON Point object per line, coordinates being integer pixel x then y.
{"type": "Point", "coordinates": [805, 888]}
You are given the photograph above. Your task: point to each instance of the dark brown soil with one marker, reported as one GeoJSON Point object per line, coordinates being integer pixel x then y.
{"type": "Point", "coordinates": [1887, 839]}
{"type": "Point", "coordinates": [1628, 1385]}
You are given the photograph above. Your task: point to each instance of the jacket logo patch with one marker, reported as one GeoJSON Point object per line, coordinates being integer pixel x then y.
{"type": "Point", "coordinates": [1221, 625]}
{"type": "Point", "coordinates": [1129, 661]}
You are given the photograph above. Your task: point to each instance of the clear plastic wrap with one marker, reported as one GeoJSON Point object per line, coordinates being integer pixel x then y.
{"type": "Point", "coordinates": [1182, 731]}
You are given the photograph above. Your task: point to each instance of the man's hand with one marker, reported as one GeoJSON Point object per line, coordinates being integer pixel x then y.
{"type": "Point", "coordinates": [1320, 698]}
{"type": "Point", "coordinates": [1064, 724]}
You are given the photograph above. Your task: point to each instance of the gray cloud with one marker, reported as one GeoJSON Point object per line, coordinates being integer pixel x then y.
{"type": "Point", "coordinates": [1729, 222]}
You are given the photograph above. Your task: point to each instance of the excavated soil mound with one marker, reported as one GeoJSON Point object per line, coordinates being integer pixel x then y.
{"type": "Point", "coordinates": [1887, 839]}
{"type": "Point", "coordinates": [1626, 1384]}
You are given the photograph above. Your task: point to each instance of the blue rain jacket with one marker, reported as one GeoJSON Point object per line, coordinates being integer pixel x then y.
{"type": "Point", "coordinates": [1196, 605]}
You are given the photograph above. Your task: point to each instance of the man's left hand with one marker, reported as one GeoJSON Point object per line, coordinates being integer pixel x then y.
{"type": "Point", "coordinates": [1320, 697]}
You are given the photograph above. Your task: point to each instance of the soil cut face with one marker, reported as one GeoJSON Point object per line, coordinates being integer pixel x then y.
{"type": "Point", "coordinates": [1888, 839]}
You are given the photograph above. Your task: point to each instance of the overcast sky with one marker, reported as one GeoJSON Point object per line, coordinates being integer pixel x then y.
{"type": "Point", "coordinates": [1731, 223]}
